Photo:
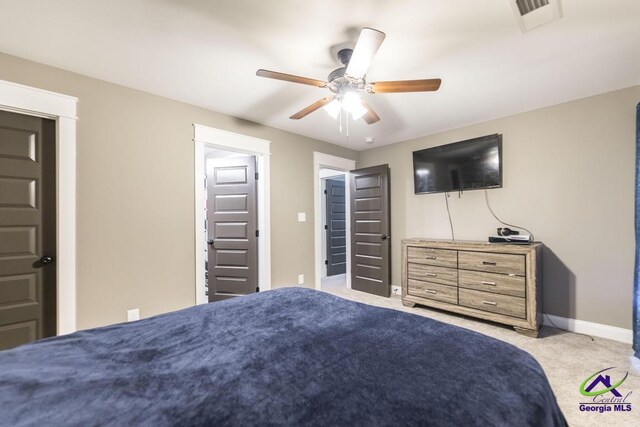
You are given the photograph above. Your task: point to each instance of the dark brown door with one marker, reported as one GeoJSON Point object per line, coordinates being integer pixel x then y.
{"type": "Point", "coordinates": [370, 230]}
{"type": "Point", "coordinates": [336, 228]}
{"type": "Point", "coordinates": [27, 229]}
{"type": "Point", "coordinates": [232, 227]}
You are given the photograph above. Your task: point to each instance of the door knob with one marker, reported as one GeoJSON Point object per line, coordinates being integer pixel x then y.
{"type": "Point", "coordinates": [210, 242]}
{"type": "Point", "coordinates": [46, 260]}
{"type": "Point", "coordinates": [384, 237]}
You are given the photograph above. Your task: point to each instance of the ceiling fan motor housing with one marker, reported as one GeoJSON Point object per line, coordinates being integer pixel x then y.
{"type": "Point", "coordinates": [336, 74]}
{"type": "Point", "coordinates": [344, 55]}
{"type": "Point", "coordinates": [337, 81]}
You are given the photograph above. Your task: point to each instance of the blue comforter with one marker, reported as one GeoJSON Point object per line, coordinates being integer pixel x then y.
{"type": "Point", "coordinates": [286, 357]}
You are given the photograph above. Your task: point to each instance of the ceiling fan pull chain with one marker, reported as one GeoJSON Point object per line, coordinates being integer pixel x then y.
{"type": "Point", "coordinates": [347, 123]}
{"type": "Point", "coordinates": [347, 128]}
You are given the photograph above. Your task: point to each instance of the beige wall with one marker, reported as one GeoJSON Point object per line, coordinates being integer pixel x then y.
{"type": "Point", "coordinates": [136, 198]}
{"type": "Point", "coordinates": [568, 177]}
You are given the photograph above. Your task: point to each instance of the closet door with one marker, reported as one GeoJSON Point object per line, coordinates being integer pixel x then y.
{"type": "Point", "coordinates": [232, 227]}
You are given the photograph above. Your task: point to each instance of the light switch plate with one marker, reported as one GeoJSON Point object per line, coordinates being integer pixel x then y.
{"type": "Point", "coordinates": [302, 217]}
{"type": "Point", "coordinates": [300, 279]}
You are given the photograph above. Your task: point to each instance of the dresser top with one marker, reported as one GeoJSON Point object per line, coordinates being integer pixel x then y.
{"type": "Point", "coordinates": [473, 245]}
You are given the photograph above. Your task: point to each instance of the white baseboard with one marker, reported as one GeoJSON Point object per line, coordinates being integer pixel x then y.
{"type": "Point", "coordinates": [590, 328]}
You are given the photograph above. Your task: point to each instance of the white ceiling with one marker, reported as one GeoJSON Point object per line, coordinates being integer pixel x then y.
{"type": "Point", "coordinates": [206, 53]}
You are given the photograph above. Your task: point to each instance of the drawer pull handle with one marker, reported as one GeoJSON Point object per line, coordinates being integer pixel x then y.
{"type": "Point", "coordinates": [488, 283]}
{"type": "Point", "coordinates": [488, 263]}
{"type": "Point", "coordinates": [429, 291]}
{"type": "Point", "coordinates": [431, 274]}
{"type": "Point", "coordinates": [489, 303]}
{"type": "Point", "coordinates": [430, 257]}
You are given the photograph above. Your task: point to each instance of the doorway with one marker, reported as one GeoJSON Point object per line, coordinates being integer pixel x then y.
{"type": "Point", "coordinates": [367, 226]}
{"type": "Point", "coordinates": [61, 109]}
{"type": "Point", "coordinates": [334, 221]}
{"type": "Point", "coordinates": [231, 226]}
{"type": "Point", "coordinates": [27, 229]}
{"type": "Point", "coordinates": [232, 146]}
{"type": "Point", "coordinates": [337, 169]}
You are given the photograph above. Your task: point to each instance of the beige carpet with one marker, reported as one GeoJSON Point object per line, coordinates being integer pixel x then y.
{"type": "Point", "coordinates": [567, 358]}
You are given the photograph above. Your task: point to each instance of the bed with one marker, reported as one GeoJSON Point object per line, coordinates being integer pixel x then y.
{"type": "Point", "coordinates": [283, 357]}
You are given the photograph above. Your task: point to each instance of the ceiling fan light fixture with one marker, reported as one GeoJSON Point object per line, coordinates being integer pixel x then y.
{"type": "Point", "coordinates": [352, 103]}
{"type": "Point", "coordinates": [358, 112]}
{"type": "Point", "coordinates": [333, 108]}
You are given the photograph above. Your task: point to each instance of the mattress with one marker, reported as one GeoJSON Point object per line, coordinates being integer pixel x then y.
{"type": "Point", "coordinates": [284, 357]}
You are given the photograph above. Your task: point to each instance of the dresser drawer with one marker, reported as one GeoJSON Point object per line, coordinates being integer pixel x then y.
{"type": "Point", "coordinates": [442, 275]}
{"type": "Point", "coordinates": [433, 291]}
{"type": "Point", "coordinates": [492, 282]}
{"type": "Point", "coordinates": [495, 303]}
{"type": "Point", "coordinates": [430, 256]}
{"type": "Point", "coordinates": [491, 262]}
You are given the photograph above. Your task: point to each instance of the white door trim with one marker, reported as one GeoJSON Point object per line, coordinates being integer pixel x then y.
{"type": "Point", "coordinates": [61, 108]}
{"type": "Point", "coordinates": [229, 141]}
{"type": "Point", "coordinates": [321, 160]}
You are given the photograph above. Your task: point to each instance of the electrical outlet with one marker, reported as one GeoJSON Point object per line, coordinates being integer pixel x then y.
{"type": "Point", "coordinates": [300, 279]}
{"type": "Point", "coordinates": [395, 290]}
{"type": "Point", "coordinates": [133, 315]}
{"type": "Point", "coordinates": [302, 217]}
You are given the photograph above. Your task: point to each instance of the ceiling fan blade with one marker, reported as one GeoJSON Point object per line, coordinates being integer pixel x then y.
{"type": "Point", "coordinates": [313, 107]}
{"type": "Point", "coordinates": [370, 116]}
{"type": "Point", "coordinates": [406, 86]}
{"type": "Point", "coordinates": [367, 45]}
{"type": "Point", "coordinates": [290, 78]}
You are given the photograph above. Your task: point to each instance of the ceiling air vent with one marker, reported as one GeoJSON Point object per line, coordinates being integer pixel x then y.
{"type": "Point", "coordinates": [526, 6]}
{"type": "Point", "coordinates": [531, 14]}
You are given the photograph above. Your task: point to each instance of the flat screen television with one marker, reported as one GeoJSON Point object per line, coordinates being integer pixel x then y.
{"type": "Point", "coordinates": [473, 164]}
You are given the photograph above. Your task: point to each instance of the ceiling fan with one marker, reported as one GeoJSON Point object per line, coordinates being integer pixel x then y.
{"type": "Point", "coordinates": [348, 83]}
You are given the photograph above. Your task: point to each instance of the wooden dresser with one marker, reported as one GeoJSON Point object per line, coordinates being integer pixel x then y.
{"type": "Point", "coordinates": [491, 281]}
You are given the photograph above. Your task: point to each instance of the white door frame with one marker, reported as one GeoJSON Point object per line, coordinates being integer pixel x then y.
{"type": "Point", "coordinates": [61, 108]}
{"type": "Point", "coordinates": [229, 141]}
{"type": "Point", "coordinates": [322, 160]}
